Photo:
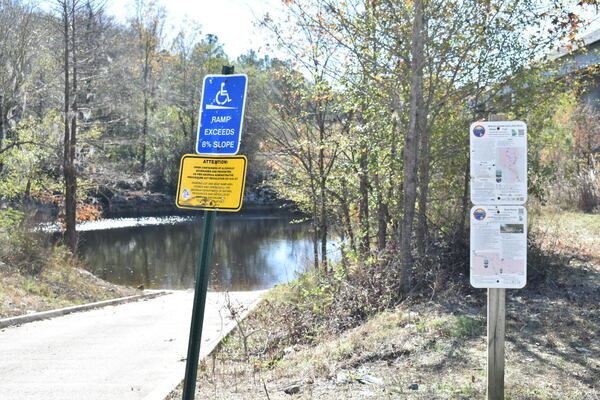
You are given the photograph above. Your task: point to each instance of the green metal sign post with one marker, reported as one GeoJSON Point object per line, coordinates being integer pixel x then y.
{"type": "Point", "coordinates": [201, 287]}
{"type": "Point", "coordinates": [202, 276]}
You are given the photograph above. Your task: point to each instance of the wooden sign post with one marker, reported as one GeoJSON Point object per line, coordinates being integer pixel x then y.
{"type": "Point", "coordinates": [496, 327]}
{"type": "Point", "coordinates": [496, 321]}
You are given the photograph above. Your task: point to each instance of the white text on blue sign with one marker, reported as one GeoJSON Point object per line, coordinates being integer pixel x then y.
{"type": "Point", "coordinates": [221, 114]}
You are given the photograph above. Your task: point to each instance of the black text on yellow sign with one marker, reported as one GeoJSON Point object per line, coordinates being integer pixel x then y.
{"type": "Point", "coordinates": [211, 183]}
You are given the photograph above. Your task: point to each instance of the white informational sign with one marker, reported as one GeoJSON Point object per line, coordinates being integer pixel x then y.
{"type": "Point", "coordinates": [498, 247]}
{"type": "Point", "coordinates": [498, 162]}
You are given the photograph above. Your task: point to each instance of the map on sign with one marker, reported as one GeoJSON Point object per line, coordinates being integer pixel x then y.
{"type": "Point", "coordinates": [221, 114]}
{"type": "Point", "coordinates": [498, 162]}
{"type": "Point", "coordinates": [211, 183]}
{"type": "Point", "coordinates": [498, 247]}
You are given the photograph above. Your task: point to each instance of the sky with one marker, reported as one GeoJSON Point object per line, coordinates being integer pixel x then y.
{"type": "Point", "coordinates": [233, 21]}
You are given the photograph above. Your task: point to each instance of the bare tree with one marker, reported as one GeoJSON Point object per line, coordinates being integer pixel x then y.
{"type": "Point", "coordinates": [76, 56]}
{"type": "Point", "coordinates": [17, 38]}
{"type": "Point", "coordinates": [411, 140]}
{"type": "Point", "coordinates": [148, 25]}
{"type": "Point", "coordinates": [68, 10]}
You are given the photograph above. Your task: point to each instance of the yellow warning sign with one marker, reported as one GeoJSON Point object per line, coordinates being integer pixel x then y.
{"type": "Point", "coordinates": [211, 183]}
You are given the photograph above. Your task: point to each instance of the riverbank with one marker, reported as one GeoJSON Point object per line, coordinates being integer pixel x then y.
{"type": "Point", "coordinates": [150, 252]}
{"type": "Point", "coordinates": [60, 283]}
{"type": "Point", "coordinates": [431, 346]}
{"type": "Point", "coordinates": [141, 203]}
{"type": "Point", "coordinates": [136, 202]}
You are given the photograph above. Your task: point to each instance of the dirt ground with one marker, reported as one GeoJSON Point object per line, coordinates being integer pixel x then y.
{"type": "Point", "coordinates": [57, 286]}
{"type": "Point", "coordinates": [435, 348]}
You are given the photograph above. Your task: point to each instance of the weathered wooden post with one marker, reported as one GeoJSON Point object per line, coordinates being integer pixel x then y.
{"type": "Point", "coordinates": [496, 327]}
{"type": "Point", "coordinates": [496, 320]}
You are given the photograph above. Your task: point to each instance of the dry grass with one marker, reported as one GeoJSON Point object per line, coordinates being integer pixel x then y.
{"type": "Point", "coordinates": [436, 349]}
{"type": "Point", "coordinates": [59, 284]}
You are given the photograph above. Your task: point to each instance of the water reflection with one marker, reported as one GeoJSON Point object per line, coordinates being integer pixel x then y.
{"type": "Point", "coordinates": [250, 253]}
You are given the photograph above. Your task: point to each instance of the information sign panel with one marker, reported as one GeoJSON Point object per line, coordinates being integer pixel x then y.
{"type": "Point", "coordinates": [221, 114]}
{"type": "Point", "coordinates": [498, 162]}
{"type": "Point", "coordinates": [498, 247]}
{"type": "Point", "coordinates": [211, 183]}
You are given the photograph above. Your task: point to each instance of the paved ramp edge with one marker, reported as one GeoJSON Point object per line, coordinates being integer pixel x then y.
{"type": "Point", "coordinates": [168, 385]}
{"type": "Point", "coordinates": [23, 319]}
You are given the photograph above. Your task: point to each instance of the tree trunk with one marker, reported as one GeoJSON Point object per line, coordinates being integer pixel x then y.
{"type": "Point", "coordinates": [464, 205]}
{"type": "Point", "coordinates": [70, 126]}
{"type": "Point", "coordinates": [343, 251]}
{"type": "Point", "coordinates": [323, 195]}
{"type": "Point", "coordinates": [346, 211]}
{"type": "Point", "coordinates": [382, 212]}
{"type": "Point", "coordinates": [393, 182]}
{"type": "Point", "coordinates": [67, 126]}
{"type": "Point", "coordinates": [323, 225]}
{"type": "Point", "coordinates": [323, 232]}
{"type": "Point", "coordinates": [363, 212]}
{"type": "Point", "coordinates": [345, 218]}
{"type": "Point", "coordinates": [1, 121]}
{"type": "Point", "coordinates": [147, 70]}
{"type": "Point", "coordinates": [144, 131]}
{"type": "Point", "coordinates": [422, 229]}
{"type": "Point", "coordinates": [2, 134]}
{"type": "Point", "coordinates": [411, 147]}
{"type": "Point", "coordinates": [72, 217]}
{"type": "Point", "coordinates": [315, 226]}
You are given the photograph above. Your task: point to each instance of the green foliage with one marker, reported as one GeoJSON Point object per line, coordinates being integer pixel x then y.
{"type": "Point", "coordinates": [20, 248]}
{"type": "Point", "coordinates": [315, 294]}
{"type": "Point", "coordinates": [166, 146]}
{"type": "Point", "coordinates": [460, 326]}
{"type": "Point", "coordinates": [32, 162]}
{"type": "Point", "coordinates": [561, 168]}
{"type": "Point", "coordinates": [10, 218]}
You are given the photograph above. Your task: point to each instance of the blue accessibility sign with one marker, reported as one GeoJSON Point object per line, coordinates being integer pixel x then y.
{"type": "Point", "coordinates": [221, 114]}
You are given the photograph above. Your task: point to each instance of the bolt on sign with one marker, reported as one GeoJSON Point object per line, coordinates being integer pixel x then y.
{"type": "Point", "coordinates": [499, 162]}
{"type": "Point", "coordinates": [211, 183]}
{"type": "Point", "coordinates": [498, 247]}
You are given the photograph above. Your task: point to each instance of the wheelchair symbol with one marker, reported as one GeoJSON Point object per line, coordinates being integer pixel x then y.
{"type": "Point", "coordinates": [222, 96]}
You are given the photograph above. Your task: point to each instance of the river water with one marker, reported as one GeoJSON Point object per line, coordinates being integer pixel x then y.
{"type": "Point", "coordinates": [251, 252]}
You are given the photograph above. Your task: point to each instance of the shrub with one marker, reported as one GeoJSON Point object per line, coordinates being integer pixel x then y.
{"type": "Point", "coordinates": [588, 187]}
{"type": "Point", "coordinates": [21, 248]}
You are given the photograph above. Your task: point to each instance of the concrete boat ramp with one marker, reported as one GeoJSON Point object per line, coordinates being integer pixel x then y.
{"type": "Point", "coordinates": [129, 351]}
